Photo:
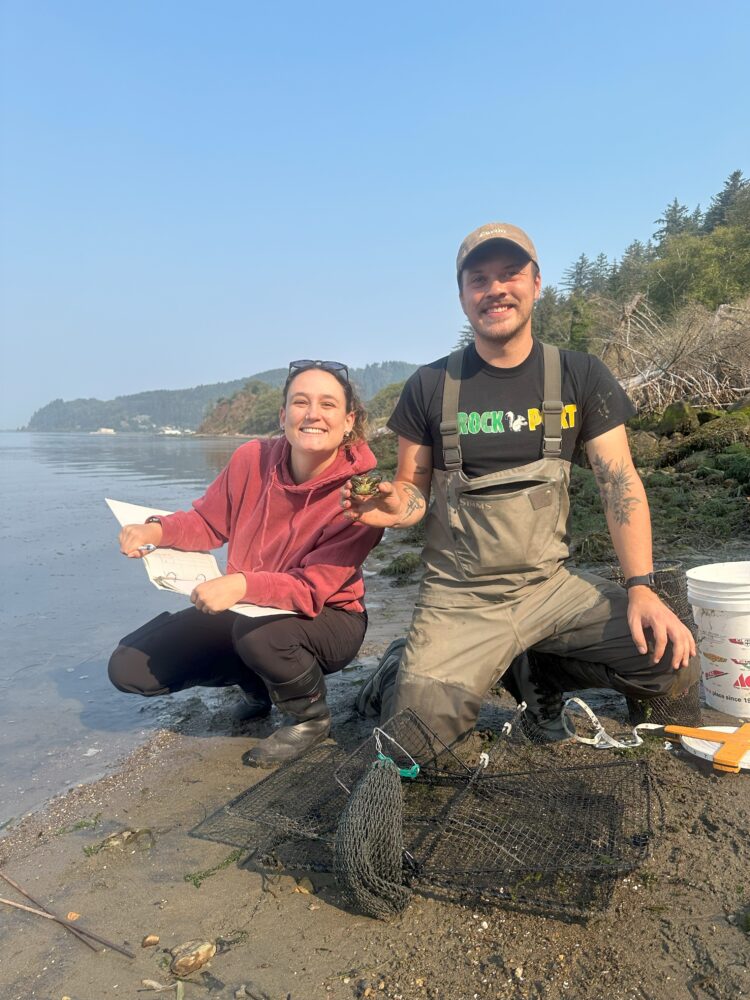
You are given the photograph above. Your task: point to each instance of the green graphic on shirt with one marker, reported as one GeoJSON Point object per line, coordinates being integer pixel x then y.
{"type": "Point", "coordinates": [500, 421]}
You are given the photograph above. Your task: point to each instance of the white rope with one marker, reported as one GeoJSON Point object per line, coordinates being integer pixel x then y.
{"type": "Point", "coordinates": [601, 737]}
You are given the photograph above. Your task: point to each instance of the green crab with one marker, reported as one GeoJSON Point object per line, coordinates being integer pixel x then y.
{"type": "Point", "coordinates": [365, 485]}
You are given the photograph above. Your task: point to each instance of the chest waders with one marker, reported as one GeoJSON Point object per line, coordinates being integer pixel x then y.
{"type": "Point", "coordinates": [490, 540]}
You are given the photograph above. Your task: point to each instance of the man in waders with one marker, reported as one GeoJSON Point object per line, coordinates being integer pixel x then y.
{"type": "Point", "coordinates": [490, 432]}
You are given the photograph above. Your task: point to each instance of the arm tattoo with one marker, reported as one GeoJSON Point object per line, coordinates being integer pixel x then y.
{"type": "Point", "coordinates": [614, 484]}
{"type": "Point", "coordinates": [414, 499]}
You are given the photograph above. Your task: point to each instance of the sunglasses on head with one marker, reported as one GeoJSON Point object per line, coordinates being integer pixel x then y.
{"type": "Point", "coordinates": [334, 367]}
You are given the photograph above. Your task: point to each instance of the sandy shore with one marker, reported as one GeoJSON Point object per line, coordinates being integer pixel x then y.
{"type": "Point", "coordinates": [676, 928]}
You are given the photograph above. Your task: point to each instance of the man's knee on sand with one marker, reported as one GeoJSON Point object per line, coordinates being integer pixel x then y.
{"type": "Point", "coordinates": [635, 677]}
{"type": "Point", "coordinates": [654, 680]}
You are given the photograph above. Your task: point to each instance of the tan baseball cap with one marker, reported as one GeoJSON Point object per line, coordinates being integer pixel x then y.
{"type": "Point", "coordinates": [495, 231]}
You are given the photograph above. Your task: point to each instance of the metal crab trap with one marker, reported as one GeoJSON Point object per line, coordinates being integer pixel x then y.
{"type": "Point", "coordinates": [520, 827]}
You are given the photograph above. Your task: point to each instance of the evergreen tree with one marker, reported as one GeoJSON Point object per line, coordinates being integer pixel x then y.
{"type": "Point", "coordinates": [677, 220]}
{"type": "Point", "coordinates": [601, 275]}
{"type": "Point", "coordinates": [721, 203]}
{"type": "Point", "coordinates": [738, 213]}
{"type": "Point", "coordinates": [630, 275]}
{"type": "Point", "coordinates": [578, 276]}
{"type": "Point", "coordinates": [581, 323]}
{"type": "Point", "coordinates": [552, 314]}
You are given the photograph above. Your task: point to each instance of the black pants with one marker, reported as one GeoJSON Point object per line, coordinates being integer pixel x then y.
{"type": "Point", "coordinates": [190, 649]}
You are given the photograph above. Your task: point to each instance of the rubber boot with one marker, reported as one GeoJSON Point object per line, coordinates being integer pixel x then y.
{"type": "Point", "coordinates": [542, 720]}
{"type": "Point", "coordinates": [378, 688]}
{"type": "Point", "coordinates": [256, 701]}
{"type": "Point", "coordinates": [308, 722]}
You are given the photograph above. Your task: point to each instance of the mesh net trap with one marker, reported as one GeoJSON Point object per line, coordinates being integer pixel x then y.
{"type": "Point", "coordinates": [509, 823]}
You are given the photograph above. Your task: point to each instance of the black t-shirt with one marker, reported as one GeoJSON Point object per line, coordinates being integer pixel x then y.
{"type": "Point", "coordinates": [500, 409]}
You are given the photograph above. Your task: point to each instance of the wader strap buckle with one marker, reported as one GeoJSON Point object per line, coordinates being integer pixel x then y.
{"type": "Point", "coordinates": [552, 406]}
{"type": "Point", "coordinates": [451, 447]}
{"type": "Point", "coordinates": [552, 410]}
{"type": "Point", "coordinates": [450, 441]}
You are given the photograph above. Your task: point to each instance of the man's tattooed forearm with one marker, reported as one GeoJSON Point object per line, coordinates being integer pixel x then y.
{"type": "Point", "coordinates": [614, 484]}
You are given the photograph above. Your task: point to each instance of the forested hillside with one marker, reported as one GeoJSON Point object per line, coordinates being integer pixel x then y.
{"type": "Point", "coordinates": [144, 411]}
{"type": "Point", "coordinates": [671, 316]}
{"type": "Point", "coordinates": [254, 409]}
{"type": "Point", "coordinates": [186, 409]}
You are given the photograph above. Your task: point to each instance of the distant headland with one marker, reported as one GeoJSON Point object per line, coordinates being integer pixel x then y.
{"type": "Point", "coordinates": [252, 401]}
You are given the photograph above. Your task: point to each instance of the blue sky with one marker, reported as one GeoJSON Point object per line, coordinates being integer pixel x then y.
{"type": "Point", "coordinates": [193, 192]}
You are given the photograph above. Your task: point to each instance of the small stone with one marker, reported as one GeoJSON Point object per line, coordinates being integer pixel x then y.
{"type": "Point", "coordinates": [484, 925]}
{"type": "Point", "coordinates": [305, 885]}
{"type": "Point", "coordinates": [518, 973]}
{"type": "Point", "coordinates": [72, 915]}
{"type": "Point", "coordinates": [150, 940]}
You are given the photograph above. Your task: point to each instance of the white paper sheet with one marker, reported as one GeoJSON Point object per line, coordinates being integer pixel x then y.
{"type": "Point", "coordinates": [180, 572]}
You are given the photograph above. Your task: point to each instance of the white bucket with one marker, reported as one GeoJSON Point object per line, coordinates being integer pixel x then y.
{"type": "Point", "coordinates": [720, 596]}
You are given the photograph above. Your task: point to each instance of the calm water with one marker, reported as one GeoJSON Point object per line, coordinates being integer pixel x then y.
{"type": "Point", "coordinates": [68, 596]}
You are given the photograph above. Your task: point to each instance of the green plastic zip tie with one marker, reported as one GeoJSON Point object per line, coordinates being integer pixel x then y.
{"type": "Point", "coordinates": [405, 772]}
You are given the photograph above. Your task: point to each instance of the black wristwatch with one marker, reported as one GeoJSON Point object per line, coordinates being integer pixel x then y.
{"type": "Point", "coordinates": [647, 580]}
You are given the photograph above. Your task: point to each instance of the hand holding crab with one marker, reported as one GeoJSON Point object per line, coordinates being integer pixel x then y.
{"type": "Point", "coordinates": [366, 498]}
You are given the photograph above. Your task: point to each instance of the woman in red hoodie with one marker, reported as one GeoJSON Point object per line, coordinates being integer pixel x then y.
{"type": "Point", "coordinates": [277, 505]}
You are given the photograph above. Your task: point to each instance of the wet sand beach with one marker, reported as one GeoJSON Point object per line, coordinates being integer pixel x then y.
{"type": "Point", "coordinates": [676, 927]}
